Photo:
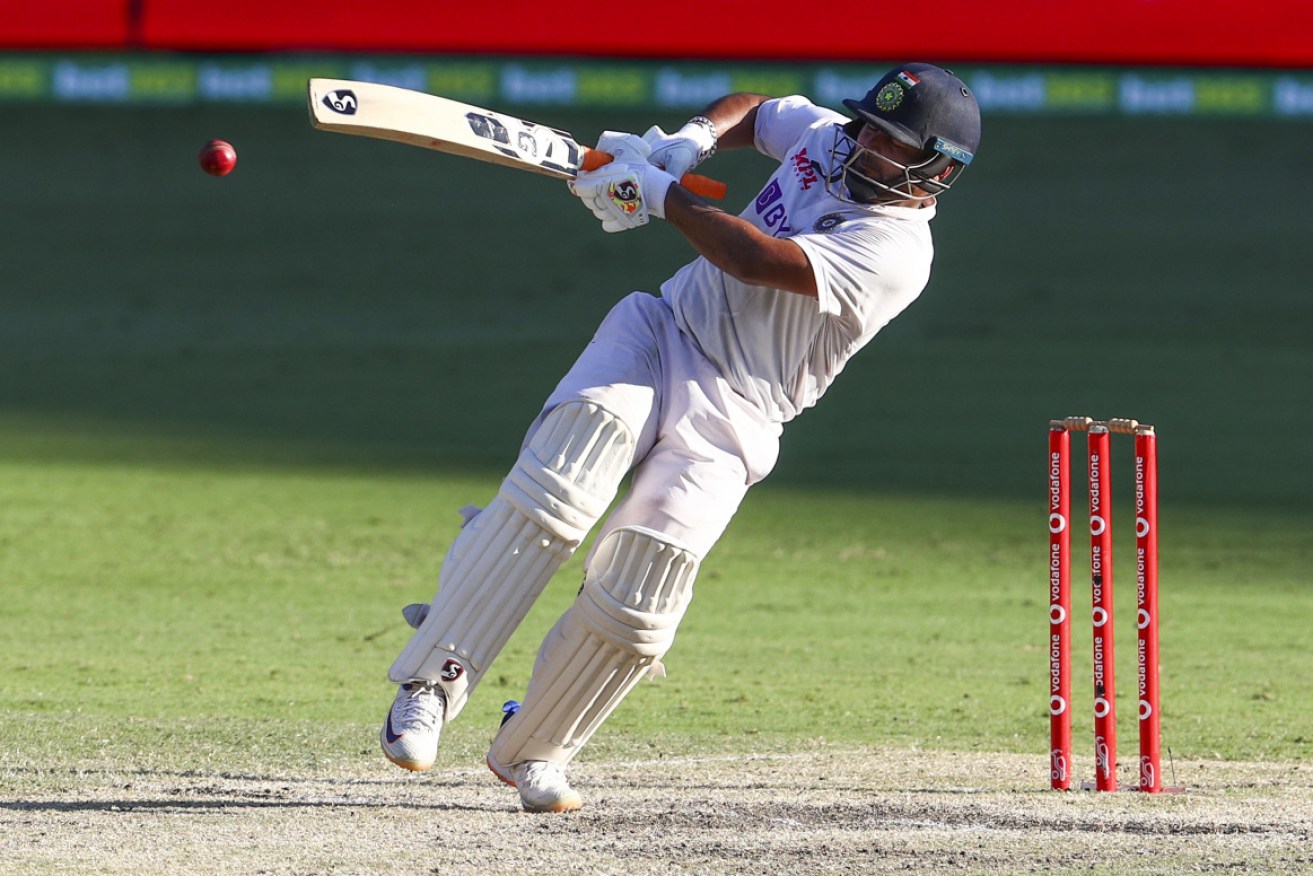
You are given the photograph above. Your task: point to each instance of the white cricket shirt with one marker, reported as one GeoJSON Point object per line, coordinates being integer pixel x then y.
{"type": "Point", "coordinates": [782, 350]}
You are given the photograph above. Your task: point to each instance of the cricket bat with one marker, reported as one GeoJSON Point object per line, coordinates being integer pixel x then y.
{"type": "Point", "coordinates": [385, 112]}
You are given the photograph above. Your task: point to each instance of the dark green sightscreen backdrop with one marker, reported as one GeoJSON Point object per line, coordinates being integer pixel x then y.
{"type": "Point", "coordinates": [359, 303]}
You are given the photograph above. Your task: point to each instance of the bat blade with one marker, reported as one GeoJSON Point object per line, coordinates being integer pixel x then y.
{"type": "Point", "coordinates": [385, 112]}
{"type": "Point", "coordinates": [402, 115]}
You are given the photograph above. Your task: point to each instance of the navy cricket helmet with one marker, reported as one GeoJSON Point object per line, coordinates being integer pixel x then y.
{"type": "Point", "coordinates": [928, 108]}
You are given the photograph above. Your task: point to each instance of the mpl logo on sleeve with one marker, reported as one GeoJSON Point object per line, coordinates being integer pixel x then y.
{"type": "Point", "coordinates": [804, 169]}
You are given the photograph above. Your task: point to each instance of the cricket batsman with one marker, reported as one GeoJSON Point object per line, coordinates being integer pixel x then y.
{"type": "Point", "coordinates": [689, 391]}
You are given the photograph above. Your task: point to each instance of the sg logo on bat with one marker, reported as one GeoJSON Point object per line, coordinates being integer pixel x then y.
{"type": "Point", "coordinates": [342, 101]}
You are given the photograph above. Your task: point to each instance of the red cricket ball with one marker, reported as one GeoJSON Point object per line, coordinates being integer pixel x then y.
{"type": "Point", "coordinates": [218, 158]}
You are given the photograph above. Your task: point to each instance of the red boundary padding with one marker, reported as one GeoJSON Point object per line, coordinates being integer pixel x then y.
{"type": "Point", "coordinates": [66, 24]}
{"type": "Point", "coordinates": [1147, 32]}
{"type": "Point", "coordinates": [1274, 33]}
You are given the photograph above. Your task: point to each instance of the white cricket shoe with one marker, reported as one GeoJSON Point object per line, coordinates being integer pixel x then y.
{"type": "Point", "coordinates": [414, 724]}
{"type": "Point", "coordinates": [542, 785]}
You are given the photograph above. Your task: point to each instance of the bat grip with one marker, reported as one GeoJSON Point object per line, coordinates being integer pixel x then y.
{"type": "Point", "coordinates": [694, 182]}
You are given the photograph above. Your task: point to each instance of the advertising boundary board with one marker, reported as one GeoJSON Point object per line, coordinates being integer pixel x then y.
{"type": "Point", "coordinates": [279, 80]}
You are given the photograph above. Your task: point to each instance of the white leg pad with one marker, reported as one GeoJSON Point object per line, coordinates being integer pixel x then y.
{"type": "Point", "coordinates": [623, 622]}
{"type": "Point", "coordinates": [562, 483]}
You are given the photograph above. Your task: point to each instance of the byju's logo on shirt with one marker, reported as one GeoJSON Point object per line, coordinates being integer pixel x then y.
{"type": "Point", "coordinates": [770, 207]}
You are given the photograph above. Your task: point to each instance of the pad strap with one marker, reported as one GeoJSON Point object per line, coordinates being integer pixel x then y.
{"type": "Point", "coordinates": [564, 480]}
{"type": "Point", "coordinates": [623, 621]}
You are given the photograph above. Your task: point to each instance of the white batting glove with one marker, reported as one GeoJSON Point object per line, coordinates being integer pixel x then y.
{"type": "Point", "coordinates": [683, 150]}
{"type": "Point", "coordinates": [625, 192]}
{"type": "Point", "coordinates": [627, 148]}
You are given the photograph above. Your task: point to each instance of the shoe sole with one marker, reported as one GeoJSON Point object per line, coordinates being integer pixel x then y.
{"type": "Point", "coordinates": [567, 805]}
{"type": "Point", "coordinates": [414, 766]}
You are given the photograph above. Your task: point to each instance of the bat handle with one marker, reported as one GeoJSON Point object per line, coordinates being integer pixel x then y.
{"type": "Point", "coordinates": [694, 182]}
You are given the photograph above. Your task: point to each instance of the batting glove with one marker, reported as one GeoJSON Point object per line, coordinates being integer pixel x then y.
{"type": "Point", "coordinates": [626, 148]}
{"type": "Point", "coordinates": [625, 192]}
{"type": "Point", "coordinates": [683, 150]}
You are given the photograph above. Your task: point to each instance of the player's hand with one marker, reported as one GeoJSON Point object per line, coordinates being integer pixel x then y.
{"type": "Point", "coordinates": [625, 192]}
{"type": "Point", "coordinates": [622, 196]}
{"type": "Point", "coordinates": [626, 148]}
{"type": "Point", "coordinates": [683, 150]}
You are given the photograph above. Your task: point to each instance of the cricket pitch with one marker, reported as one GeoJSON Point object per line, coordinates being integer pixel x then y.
{"type": "Point", "coordinates": [856, 812]}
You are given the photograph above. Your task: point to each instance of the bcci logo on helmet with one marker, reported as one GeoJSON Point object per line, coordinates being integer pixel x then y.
{"type": "Point", "coordinates": [889, 97]}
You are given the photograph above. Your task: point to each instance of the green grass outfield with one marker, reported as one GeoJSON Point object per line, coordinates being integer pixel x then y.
{"type": "Point", "coordinates": [237, 418]}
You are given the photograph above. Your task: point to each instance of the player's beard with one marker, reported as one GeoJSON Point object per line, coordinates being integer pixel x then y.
{"type": "Point", "coordinates": [860, 188]}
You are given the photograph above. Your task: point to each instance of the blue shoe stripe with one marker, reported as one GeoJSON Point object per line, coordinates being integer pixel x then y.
{"type": "Point", "coordinates": [390, 734]}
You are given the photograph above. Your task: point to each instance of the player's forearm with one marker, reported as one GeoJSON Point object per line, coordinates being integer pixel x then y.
{"type": "Point", "coordinates": [737, 247]}
{"type": "Point", "coordinates": [735, 118]}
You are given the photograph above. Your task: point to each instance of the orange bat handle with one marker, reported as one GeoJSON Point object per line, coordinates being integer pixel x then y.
{"type": "Point", "coordinates": [694, 182]}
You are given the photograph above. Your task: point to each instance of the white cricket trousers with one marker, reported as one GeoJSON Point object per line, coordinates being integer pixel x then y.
{"type": "Point", "coordinates": [700, 444]}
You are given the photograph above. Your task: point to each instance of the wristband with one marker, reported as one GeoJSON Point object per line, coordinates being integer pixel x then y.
{"type": "Point", "coordinates": [710, 126]}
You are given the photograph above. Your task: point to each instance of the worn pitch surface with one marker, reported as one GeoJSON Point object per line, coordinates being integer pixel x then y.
{"type": "Point", "coordinates": [847, 812]}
